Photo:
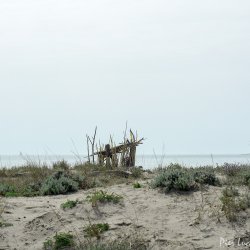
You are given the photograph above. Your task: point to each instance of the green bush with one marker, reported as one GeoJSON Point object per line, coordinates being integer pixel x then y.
{"type": "Point", "coordinates": [69, 204]}
{"type": "Point", "coordinates": [230, 192]}
{"type": "Point", "coordinates": [102, 196]}
{"type": "Point", "coordinates": [5, 224]}
{"type": "Point", "coordinates": [136, 172]}
{"type": "Point", "coordinates": [95, 230]}
{"type": "Point", "coordinates": [232, 203]}
{"type": "Point", "coordinates": [174, 179]}
{"type": "Point", "coordinates": [137, 185]}
{"type": "Point", "coordinates": [6, 189]}
{"type": "Point", "coordinates": [205, 176]}
{"type": "Point", "coordinates": [61, 241]}
{"type": "Point", "coordinates": [121, 244]}
{"type": "Point", "coordinates": [58, 183]}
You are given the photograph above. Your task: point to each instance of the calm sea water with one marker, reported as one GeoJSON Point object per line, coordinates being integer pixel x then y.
{"type": "Point", "coordinates": [147, 161]}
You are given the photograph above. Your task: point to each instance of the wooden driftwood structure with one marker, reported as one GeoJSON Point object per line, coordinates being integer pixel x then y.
{"type": "Point", "coordinates": [113, 156]}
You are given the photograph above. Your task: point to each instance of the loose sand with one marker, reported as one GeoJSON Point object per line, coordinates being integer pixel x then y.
{"type": "Point", "coordinates": [172, 221]}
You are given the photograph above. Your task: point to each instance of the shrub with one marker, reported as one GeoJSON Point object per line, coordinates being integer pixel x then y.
{"type": "Point", "coordinates": [58, 183]}
{"type": "Point", "coordinates": [95, 230]}
{"type": "Point", "coordinates": [232, 204]}
{"type": "Point", "coordinates": [102, 196]}
{"type": "Point", "coordinates": [6, 189]}
{"type": "Point", "coordinates": [61, 241]}
{"type": "Point", "coordinates": [230, 192]}
{"type": "Point", "coordinates": [205, 176]}
{"type": "Point", "coordinates": [137, 185]}
{"type": "Point", "coordinates": [83, 181]}
{"type": "Point", "coordinates": [61, 165]}
{"type": "Point", "coordinates": [238, 174]}
{"type": "Point", "coordinates": [123, 244]}
{"type": "Point", "coordinates": [69, 204]}
{"type": "Point", "coordinates": [175, 179]}
{"type": "Point", "coordinates": [136, 172]}
{"type": "Point", "coordinates": [5, 224]}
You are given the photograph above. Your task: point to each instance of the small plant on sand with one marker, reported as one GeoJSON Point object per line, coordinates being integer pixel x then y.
{"type": "Point", "coordinates": [5, 224]}
{"type": "Point", "coordinates": [102, 197]}
{"type": "Point", "coordinates": [2, 223]}
{"type": "Point", "coordinates": [69, 204]}
{"type": "Point", "coordinates": [232, 203]}
{"type": "Point", "coordinates": [136, 172]}
{"type": "Point", "coordinates": [95, 230]}
{"type": "Point", "coordinates": [230, 206]}
{"type": "Point", "coordinates": [61, 241]}
{"type": "Point", "coordinates": [137, 185]}
{"type": "Point", "coordinates": [122, 244]}
{"type": "Point", "coordinates": [59, 183]}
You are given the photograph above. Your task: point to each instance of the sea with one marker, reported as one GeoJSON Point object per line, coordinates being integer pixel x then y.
{"type": "Point", "coordinates": [146, 161]}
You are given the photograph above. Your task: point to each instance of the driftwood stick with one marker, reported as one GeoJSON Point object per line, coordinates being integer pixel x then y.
{"type": "Point", "coordinates": [88, 147]}
{"type": "Point", "coordinates": [93, 146]}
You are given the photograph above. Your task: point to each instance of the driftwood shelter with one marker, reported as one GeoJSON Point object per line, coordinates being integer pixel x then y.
{"type": "Point", "coordinates": [113, 156]}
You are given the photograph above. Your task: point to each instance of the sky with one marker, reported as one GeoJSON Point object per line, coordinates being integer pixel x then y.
{"type": "Point", "coordinates": [177, 71]}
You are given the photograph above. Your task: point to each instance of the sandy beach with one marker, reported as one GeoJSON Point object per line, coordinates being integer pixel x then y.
{"type": "Point", "coordinates": [165, 221]}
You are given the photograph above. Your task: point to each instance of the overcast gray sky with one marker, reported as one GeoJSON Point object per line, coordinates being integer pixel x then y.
{"type": "Point", "coordinates": [177, 71]}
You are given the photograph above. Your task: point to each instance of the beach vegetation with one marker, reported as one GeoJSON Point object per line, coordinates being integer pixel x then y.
{"type": "Point", "coordinates": [103, 197]}
{"type": "Point", "coordinates": [60, 241]}
{"type": "Point", "coordinates": [137, 185]}
{"type": "Point", "coordinates": [136, 172]}
{"type": "Point", "coordinates": [95, 230]}
{"type": "Point", "coordinates": [58, 183]}
{"type": "Point", "coordinates": [69, 204]}
{"type": "Point", "coordinates": [116, 245]}
{"type": "Point", "coordinates": [61, 165]}
{"type": "Point", "coordinates": [233, 203]}
{"type": "Point", "coordinates": [236, 174]}
{"type": "Point", "coordinates": [177, 178]}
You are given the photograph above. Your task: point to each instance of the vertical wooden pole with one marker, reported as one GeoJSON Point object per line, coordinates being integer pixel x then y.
{"type": "Point", "coordinates": [108, 155]}
{"type": "Point", "coordinates": [93, 146]}
{"type": "Point", "coordinates": [132, 155]}
{"type": "Point", "coordinates": [88, 147]}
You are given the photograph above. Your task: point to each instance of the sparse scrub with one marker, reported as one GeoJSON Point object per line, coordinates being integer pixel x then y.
{"type": "Point", "coordinates": [102, 197]}
{"type": "Point", "coordinates": [61, 241]}
{"type": "Point", "coordinates": [136, 172]}
{"type": "Point", "coordinates": [23, 181]}
{"type": "Point", "coordinates": [137, 185]}
{"type": "Point", "coordinates": [61, 165]}
{"type": "Point", "coordinates": [69, 204]}
{"type": "Point", "coordinates": [95, 230]}
{"type": "Point", "coordinates": [3, 223]}
{"type": "Point", "coordinates": [230, 192]}
{"type": "Point", "coordinates": [236, 174]}
{"type": "Point", "coordinates": [233, 203]}
{"type": "Point", "coordinates": [123, 244]}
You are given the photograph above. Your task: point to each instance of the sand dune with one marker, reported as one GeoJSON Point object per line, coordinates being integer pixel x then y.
{"type": "Point", "coordinates": [172, 221]}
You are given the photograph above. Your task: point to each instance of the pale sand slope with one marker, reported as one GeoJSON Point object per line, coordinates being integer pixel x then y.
{"type": "Point", "coordinates": [172, 221]}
